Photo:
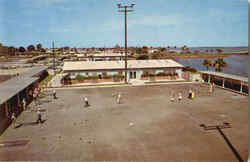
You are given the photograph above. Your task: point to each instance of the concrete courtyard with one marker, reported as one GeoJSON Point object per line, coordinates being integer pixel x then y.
{"type": "Point", "coordinates": [161, 130]}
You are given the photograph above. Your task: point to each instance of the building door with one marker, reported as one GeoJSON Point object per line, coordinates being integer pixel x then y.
{"type": "Point", "coordinates": [135, 75]}
{"type": "Point", "coordinates": [131, 75]}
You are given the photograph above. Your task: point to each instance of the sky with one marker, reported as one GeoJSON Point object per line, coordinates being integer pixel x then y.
{"type": "Point", "coordinates": [97, 23]}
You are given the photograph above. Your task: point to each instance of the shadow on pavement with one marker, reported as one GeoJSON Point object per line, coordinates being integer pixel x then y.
{"type": "Point", "coordinates": [30, 123]}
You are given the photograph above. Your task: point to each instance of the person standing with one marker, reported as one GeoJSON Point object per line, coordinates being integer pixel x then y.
{"type": "Point", "coordinates": [119, 98]}
{"type": "Point", "coordinates": [35, 97]}
{"type": "Point", "coordinates": [39, 116]}
{"type": "Point", "coordinates": [172, 98]}
{"type": "Point", "coordinates": [179, 97]}
{"type": "Point", "coordinates": [38, 90]}
{"type": "Point", "coordinates": [86, 101]}
{"type": "Point", "coordinates": [210, 88]}
{"type": "Point", "coordinates": [13, 118]}
{"type": "Point", "coordinates": [24, 104]}
{"type": "Point", "coordinates": [190, 94]}
{"type": "Point", "coordinates": [54, 94]}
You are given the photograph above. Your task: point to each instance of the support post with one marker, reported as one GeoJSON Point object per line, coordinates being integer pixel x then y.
{"type": "Point", "coordinates": [241, 87]}
{"type": "Point", "coordinates": [6, 110]}
{"type": "Point", "coordinates": [18, 100]}
{"type": "Point", "coordinates": [209, 78]}
{"type": "Point", "coordinates": [223, 83]}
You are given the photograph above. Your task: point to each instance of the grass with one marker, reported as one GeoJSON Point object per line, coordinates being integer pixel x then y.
{"type": "Point", "coordinates": [46, 80]}
{"type": "Point", "coordinates": [93, 85]}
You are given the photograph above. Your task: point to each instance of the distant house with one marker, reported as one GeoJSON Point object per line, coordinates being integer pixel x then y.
{"type": "Point", "coordinates": [174, 51]}
{"type": "Point", "coordinates": [102, 57]}
{"type": "Point", "coordinates": [137, 69]}
{"type": "Point", "coordinates": [3, 50]}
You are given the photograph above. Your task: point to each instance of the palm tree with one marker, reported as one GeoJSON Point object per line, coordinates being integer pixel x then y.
{"type": "Point", "coordinates": [219, 50]}
{"type": "Point", "coordinates": [39, 47]}
{"type": "Point", "coordinates": [219, 64]}
{"type": "Point", "coordinates": [207, 63]}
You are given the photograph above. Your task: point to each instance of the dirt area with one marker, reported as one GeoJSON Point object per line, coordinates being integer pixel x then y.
{"type": "Point", "coordinates": [146, 126]}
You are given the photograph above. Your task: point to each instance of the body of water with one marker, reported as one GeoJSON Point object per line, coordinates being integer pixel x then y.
{"type": "Point", "coordinates": [236, 65]}
{"type": "Point", "coordinates": [213, 49]}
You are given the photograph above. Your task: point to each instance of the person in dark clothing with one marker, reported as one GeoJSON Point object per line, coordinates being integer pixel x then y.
{"type": "Point", "coordinates": [54, 94]}
{"type": "Point", "coordinates": [190, 94]}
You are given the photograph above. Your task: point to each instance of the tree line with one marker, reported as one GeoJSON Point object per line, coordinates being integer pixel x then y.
{"type": "Point", "coordinates": [11, 50]}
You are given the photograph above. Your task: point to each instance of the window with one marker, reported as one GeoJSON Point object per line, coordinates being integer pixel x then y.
{"type": "Point", "coordinates": [104, 73]}
{"type": "Point", "coordinates": [94, 73]}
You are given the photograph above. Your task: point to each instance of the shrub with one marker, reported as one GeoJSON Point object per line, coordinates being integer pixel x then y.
{"type": "Point", "coordinates": [118, 77]}
{"type": "Point", "coordinates": [162, 74]}
{"type": "Point", "coordinates": [190, 69]}
{"type": "Point", "coordinates": [94, 77]}
{"type": "Point", "coordinates": [79, 77]}
{"type": "Point", "coordinates": [145, 74]}
{"type": "Point", "coordinates": [151, 75]}
{"type": "Point", "coordinates": [107, 77]}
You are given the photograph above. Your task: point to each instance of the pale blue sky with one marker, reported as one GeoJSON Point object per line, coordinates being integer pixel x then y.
{"type": "Point", "coordinates": [88, 23]}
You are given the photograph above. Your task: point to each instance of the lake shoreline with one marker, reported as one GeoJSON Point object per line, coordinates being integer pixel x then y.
{"type": "Point", "coordinates": [203, 56]}
{"type": "Point", "coordinates": [236, 64]}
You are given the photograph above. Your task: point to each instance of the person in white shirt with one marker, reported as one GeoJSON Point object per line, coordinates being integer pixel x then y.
{"type": "Point", "coordinates": [211, 88]}
{"type": "Point", "coordinates": [119, 98]}
{"type": "Point", "coordinates": [172, 98]}
{"type": "Point", "coordinates": [13, 118]}
{"type": "Point", "coordinates": [86, 101]}
{"type": "Point", "coordinates": [54, 94]}
{"type": "Point", "coordinates": [39, 116]}
{"type": "Point", "coordinates": [179, 97]}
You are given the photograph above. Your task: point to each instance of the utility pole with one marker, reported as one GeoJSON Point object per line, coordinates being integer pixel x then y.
{"type": "Point", "coordinates": [53, 50]}
{"type": "Point", "coordinates": [125, 10]}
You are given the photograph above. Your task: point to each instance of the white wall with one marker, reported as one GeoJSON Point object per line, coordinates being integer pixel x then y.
{"type": "Point", "coordinates": [139, 72]}
{"type": "Point", "coordinates": [179, 72]}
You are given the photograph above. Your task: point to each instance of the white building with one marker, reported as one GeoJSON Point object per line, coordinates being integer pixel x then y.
{"type": "Point", "coordinates": [137, 69]}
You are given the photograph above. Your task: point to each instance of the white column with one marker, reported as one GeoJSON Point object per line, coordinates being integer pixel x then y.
{"type": "Point", "coordinates": [209, 78]}
{"type": "Point", "coordinates": [18, 99]}
{"type": "Point", "coordinates": [241, 87]}
{"type": "Point", "coordinates": [223, 83]}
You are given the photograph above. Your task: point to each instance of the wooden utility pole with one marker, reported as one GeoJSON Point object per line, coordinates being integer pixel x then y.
{"type": "Point", "coordinates": [53, 51]}
{"type": "Point", "coordinates": [125, 10]}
